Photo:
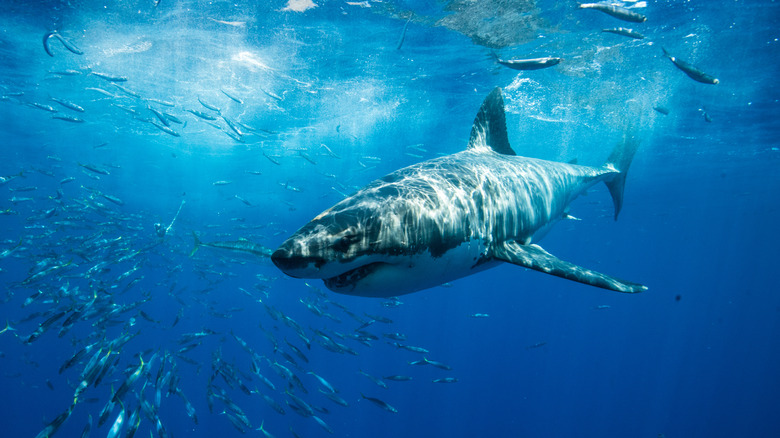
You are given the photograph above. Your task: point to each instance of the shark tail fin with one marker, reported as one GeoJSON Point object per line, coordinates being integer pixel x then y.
{"type": "Point", "coordinates": [197, 244]}
{"type": "Point", "coordinates": [619, 161]}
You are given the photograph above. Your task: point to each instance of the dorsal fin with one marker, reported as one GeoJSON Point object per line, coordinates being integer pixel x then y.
{"type": "Point", "coordinates": [489, 130]}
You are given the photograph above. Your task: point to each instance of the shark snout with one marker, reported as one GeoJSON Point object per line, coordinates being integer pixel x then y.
{"type": "Point", "coordinates": [286, 261]}
{"type": "Point", "coordinates": [294, 264]}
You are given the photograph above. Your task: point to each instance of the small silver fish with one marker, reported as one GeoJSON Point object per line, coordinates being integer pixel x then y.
{"type": "Point", "coordinates": [618, 12]}
{"type": "Point", "coordinates": [529, 64]}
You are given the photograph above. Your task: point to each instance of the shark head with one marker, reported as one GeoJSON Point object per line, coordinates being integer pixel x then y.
{"type": "Point", "coordinates": [346, 246]}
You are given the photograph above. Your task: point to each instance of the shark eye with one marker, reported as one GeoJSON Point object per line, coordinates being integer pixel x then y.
{"type": "Point", "coordinates": [343, 243]}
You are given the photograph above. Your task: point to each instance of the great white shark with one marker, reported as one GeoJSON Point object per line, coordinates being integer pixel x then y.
{"type": "Point", "coordinates": [453, 216]}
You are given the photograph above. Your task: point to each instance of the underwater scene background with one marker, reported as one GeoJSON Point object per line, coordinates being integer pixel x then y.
{"type": "Point", "coordinates": [235, 123]}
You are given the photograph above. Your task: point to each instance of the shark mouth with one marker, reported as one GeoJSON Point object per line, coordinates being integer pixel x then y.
{"type": "Point", "coordinates": [351, 277]}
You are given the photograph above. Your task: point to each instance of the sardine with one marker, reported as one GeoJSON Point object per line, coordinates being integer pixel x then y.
{"type": "Point", "coordinates": [322, 424]}
{"type": "Point", "coordinates": [380, 403]}
{"type": "Point", "coordinates": [67, 104]}
{"type": "Point", "coordinates": [165, 129]}
{"type": "Point", "coordinates": [446, 380]}
{"type": "Point", "coordinates": [203, 116]}
{"type": "Point", "coordinates": [529, 64]}
{"type": "Point", "coordinates": [241, 245]}
{"type": "Point", "coordinates": [618, 12]}
{"type": "Point", "coordinates": [323, 382]}
{"type": "Point", "coordinates": [662, 110]}
{"type": "Point", "coordinates": [397, 378]}
{"type": "Point", "coordinates": [48, 108]}
{"type": "Point", "coordinates": [376, 380]}
{"type": "Point", "coordinates": [68, 45]}
{"type": "Point", "coordinates": [625, 32]}
{"type": "Point", "coordinates": [68, 118]}
{"type": "Point", "coordinates": [94, 168]}
{"type": "Point", "coordinates": [233, 98]}
{"type": "Point", "coordinates": [109, 77]}
{"type": "Point", "coordinates": [208, 105]}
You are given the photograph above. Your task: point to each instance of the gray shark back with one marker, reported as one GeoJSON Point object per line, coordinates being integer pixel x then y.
{"type": "Point", "coordinates": [472, 195]}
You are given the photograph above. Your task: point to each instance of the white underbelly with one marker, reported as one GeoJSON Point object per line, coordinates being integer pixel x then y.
{"type": "Point", "coordinates": [407, 274]}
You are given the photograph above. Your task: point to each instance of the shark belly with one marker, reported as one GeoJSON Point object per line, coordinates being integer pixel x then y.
{"type": "Point", "coordinates": [404, 275]}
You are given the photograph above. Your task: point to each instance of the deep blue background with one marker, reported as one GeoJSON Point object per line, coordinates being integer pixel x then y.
{"type": "Point", "coordinates": [694, 356]}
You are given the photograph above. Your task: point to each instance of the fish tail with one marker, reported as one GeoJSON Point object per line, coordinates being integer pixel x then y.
{"type": "Point", "coordinates": [197, 244]}
{"type": "Point", "coordinates": [46, 46]}
{"type": "Point", "coordinates": [619, 161]}
{"type": "Point", "coordinates": [7, 327]}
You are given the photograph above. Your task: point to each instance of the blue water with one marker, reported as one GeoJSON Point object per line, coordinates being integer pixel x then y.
{"type": "Point", "coordinates": [694, 356]}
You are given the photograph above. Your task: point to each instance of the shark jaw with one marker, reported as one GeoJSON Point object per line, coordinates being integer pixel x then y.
{"type": "Point", "coordinates": [349, 280]}
{"type": "Point", "coordinates": [371, 276]}
{"type": "Point", "coordinates": [411, 273]}
{"type": "Point", "coordinates": [389, 276]}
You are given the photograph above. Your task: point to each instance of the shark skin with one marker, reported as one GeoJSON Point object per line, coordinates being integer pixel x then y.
{"type": "Point", "coordinates": [453, 216]}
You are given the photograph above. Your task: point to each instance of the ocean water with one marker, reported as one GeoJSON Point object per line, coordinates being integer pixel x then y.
{"type": "Point", "coordinates": [324, 99]}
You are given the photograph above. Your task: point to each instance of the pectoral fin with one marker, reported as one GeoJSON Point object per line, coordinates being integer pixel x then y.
{"type": "Point", "coordinates": [536, 258]}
